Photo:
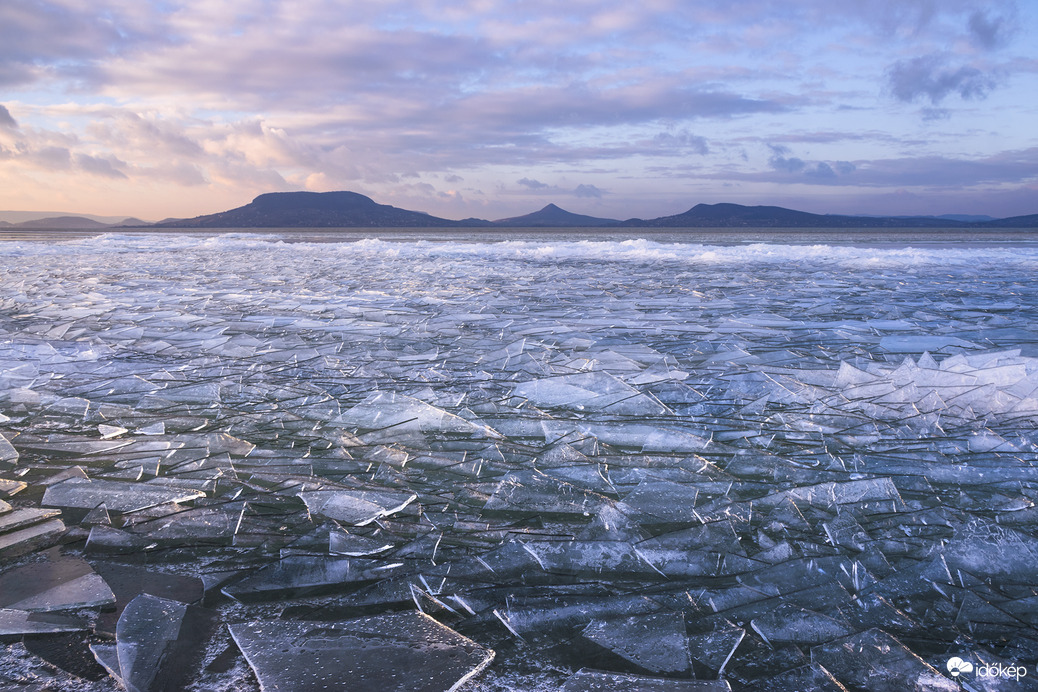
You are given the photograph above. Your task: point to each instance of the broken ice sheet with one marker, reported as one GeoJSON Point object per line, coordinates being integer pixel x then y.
{"type": "Point", "coordinates": [654, 644]}
{"type": "Point", "coordinates": [15, 623]}
{"type": "Point", "coordinates": [534, 493]}
{"type": "Point", "coordinates": [354, 545]}
{"type": "Point", "coordinates": [357, 507]}
{"type": "Point", "coordinates": [592, 391]}
{"type": "Point", "coordinates": [789, 624]}
{"type": "Point", "coordinates": [662, 502]}
{"type": "Point", "coordinates": [711, 651]}
{"type": "Point", "coordinates": [886, 469]}
{"type": "Point", "coordinates": [304, 575]}
{"type": "Point", "coordinates": [127, 582]}
{"type": "Point", "coordinates": [19, 541]}
{"type": "Point", "coordinates": [385, 414]}
{"type": "Point", "coordinates": [588, 680]}
{"type": "Point", "coordinates": [874, 660]}
{"type": "Point", "coordinates": [405, 652]}
{"type": "Point", "coordinates": [157, 640]}
{"type": "Point", "coordinates": [60, 583]}
{"type": "Point", "coordinates": [117, 496]}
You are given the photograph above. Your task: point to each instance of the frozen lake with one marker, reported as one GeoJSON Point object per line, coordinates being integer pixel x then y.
{"type": "Point", "coordinates": [441, 460]}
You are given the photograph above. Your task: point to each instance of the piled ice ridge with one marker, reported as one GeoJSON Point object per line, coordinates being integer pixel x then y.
{"type": "Point", "coordinates": [232, 463]}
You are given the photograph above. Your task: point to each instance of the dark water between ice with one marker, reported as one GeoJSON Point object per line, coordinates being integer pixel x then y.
{"type": "Point", "coordinates": [300, 457]}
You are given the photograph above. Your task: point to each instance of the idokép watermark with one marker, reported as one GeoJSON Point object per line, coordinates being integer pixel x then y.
{"type": "Point", "coordinates": [959, 667]}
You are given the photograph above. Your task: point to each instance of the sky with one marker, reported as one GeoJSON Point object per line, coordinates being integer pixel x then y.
{"type": "Point", "coordinates": [490, 109]}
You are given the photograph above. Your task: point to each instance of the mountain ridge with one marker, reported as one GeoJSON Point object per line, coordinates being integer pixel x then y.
{"type": "Point", "coordinates": [345, 209]}
{"type": "Point", "coordinates": [729, 215]}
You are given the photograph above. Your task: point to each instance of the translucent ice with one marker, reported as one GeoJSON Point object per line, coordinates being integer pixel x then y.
{"type": "Point", "coordinates": [80, 493]}
{"type": "Point", "coordinates": [874, 660]}
{"type": "Point", "coordinates": [654, 643]}
{"type": "Point", "coordinates": [405, 652]}
{"type": "Point", "coordinates": [61, 583]}
{"type": "Point", "coordinates": [586, 680]}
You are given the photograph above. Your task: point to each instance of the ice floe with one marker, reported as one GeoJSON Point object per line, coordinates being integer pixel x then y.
{"type": "Point", "coordinates": [618, 465]}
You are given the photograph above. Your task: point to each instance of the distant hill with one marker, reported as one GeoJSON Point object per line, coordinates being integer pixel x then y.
{"type": "Point", "coordinates": [16, 217]}
{"type": "Point", "coordinates": [131, 222]}
{"type": "Point", "coordinates": [727, 215]}
{"type": "Point", "coordinates": [63, 222]}
{"type": "Point", "coordinates": [318, 210]}
{"type": "Point", "coordinates": [1028, 221]}
{"type": "Point", "coordinates": [552, 216]}
{"type": "Point", "coordinates": [965, 218]}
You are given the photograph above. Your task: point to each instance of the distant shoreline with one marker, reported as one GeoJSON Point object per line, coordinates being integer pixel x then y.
{"type": "Point", "coordinates": [872, 237]}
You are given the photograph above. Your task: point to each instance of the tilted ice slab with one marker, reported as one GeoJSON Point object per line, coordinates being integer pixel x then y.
{"type": "Point", "coordinates": [15, 623]}
{"type": "Point", "coordinates": [390, 413]}
{"type": "Point", "coordinates": [654, 643]}
{"type": "Point", "coordinates": [64, 583]}
{"type": "Point", "coordinates": [1003, 385]}
{"type": "Point", "coordinates": [117, 496]}
{"type": "Point", "coordinates": [155, 642]}
{"type": "Point", "coordinates": [405, 652]}
{"type": "Point", "coordinates": [590, 391]}
{"type": "Point", "coordinates": [358, 507]}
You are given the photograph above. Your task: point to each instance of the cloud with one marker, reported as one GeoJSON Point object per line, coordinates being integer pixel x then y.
{"type": "Point", "coordinates": [929, 172]}
{"type": "Point", "coordinates": [6, 119]}
{"type": "Point", "coordinates": [821, 170]}
{"type": "Point", "coordinates": [683, 140]}
{"type": "Point", "coordinates": [931, 76]}
{"type": "Point", "coordinates": [989, 32]}
{"type": "Point", "coordinates": [107, 167]}
{"type": "Point", "coordinates": [40, 39]}
{"type": "Point", "coordinates": [276, 94]}
{"type": "Point", "coordinates": [790, 164]}
{"type": "Point", "coordinates": [587, 191]}
{"type": "Point", "coordinates": [533, 184]}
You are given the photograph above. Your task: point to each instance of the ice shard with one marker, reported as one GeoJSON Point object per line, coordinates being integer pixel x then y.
{"type": "Point", "coordinates": [587, 680]}
{"type": "Point", "coordinates": [357, 507]}
{"type": "Point", "coordinates": [127, 582]}
{"type": "Point", "coordinates": [652, 644]}
{"type": "Point", "coordinates": [156, 639]}
{"type": "Point", "coordinates": [809, 677]}
{"type": "Point", "coordinates": [117, 496]}
{"type": "Point", "coordinates": [536, 494]}
{"type": "Point", "coordinates": [386, 414]}
{"type": "Point", "coordinates": [593, 391]}
{"type": "Point", "coordinates": [789, 624]}
{"type": "Point", "coordinates": [15, 623]}
{"type": "Point", "coordinates": [874, 660]}
{"type": "Point", "coordinates": [301, 576]}
{"type": "Point", "coordinates": [711, 651]}
{"type": "Point", "coordinates": [60, 583]}
{"type": "Point", "coordinates": [409, 652]}
{"type": "Point", "coordinates": [19, 541]}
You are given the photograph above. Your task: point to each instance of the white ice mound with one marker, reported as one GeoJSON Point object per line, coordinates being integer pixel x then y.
{"type": "Point", "coordinates": [1002, 385]}
{"type": "Point", "coordinates": [392, 412]}
{"type": "Point", "coordinates": [590, 391]}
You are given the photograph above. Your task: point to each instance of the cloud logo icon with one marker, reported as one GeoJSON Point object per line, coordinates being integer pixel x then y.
{"type": "Point", "coordinates": [957, 666]}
